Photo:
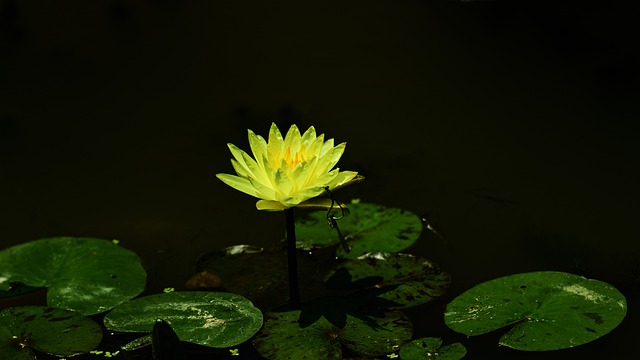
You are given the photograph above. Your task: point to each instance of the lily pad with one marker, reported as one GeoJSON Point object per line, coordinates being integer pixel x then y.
{"type": "Point", "coordinates": [283, 338]}
{"type": "Point", "coordinates": [367, 228]}
{"type": "Point", "coordinates": [410, 280]}
{"type": "Point", "coordinates": [88, 275]}
{"type": "Point", "coordinates": [53, 331]}
{"type": "Point", "coordinates": [431, 348]}
{"type": "Point", "coordinates": [547, 310]}
{"type": "Point", "coordinates": [261, 274]}
{"type": "Point", "coordinates": [213, 319]}
{"type": "Point", "coordinates": [256, 273]}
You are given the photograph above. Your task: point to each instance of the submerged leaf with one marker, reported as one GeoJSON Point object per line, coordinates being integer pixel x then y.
{"type": "Point", "coordinates": [87, 275]}
{"type": "Point", "coordinates": [53, 331]}
{"type": "Point", "coordinates": [409, 280]}
{"type": "Point", "coordinates": [548, 310]}
{"type": "Point", "coordinates": [256, 273]}
{"type": "Point", "coordinates": [212, 319]}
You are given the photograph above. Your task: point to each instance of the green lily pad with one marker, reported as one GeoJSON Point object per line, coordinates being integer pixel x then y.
{"type": "Point", "coordinates": [410, 280]}
{"type": "Point", "coordinates": [213, 319]}
{"type": "Point", "coordinates": [87, 275]}
{"type": "Point", "coordinates": [283, 338]}
{"type": "Point", "coordinates": [548, 310]}
{"type": "Point", "coordinates": [431, 348]}
{"type": "Point", "coordinates": [367, 228]}
{"type": "Point", "coordinates": [53, 331]}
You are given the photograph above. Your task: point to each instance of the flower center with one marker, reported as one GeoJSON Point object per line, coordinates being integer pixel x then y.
{"type": "Point", "coordinates": [295, 158]}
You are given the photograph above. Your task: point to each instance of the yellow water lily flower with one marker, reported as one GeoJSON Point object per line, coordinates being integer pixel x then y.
{"type": "Point", "coordinates": [290, 171]}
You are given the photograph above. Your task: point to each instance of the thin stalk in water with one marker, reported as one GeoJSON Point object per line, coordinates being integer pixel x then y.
{"type": "Point", "coordinates": [292, 264]}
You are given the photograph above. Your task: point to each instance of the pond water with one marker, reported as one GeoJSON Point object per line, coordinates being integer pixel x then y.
{"type": "Point", "coordinates": [511, 128]}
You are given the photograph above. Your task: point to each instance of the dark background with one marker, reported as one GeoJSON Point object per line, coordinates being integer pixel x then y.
{"type": "Point", "coordinates": [511, 125]}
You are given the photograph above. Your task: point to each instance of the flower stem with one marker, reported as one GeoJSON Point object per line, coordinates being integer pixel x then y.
{"type": "Point", "coordinates": [294, 292]}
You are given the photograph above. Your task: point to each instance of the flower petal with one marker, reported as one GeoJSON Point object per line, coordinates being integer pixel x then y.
{"type": "Point", "coordinates": [255, 170]}
{"type": "Point", "coordinates": [316, 203]}
{"type": "Point", "coordinates": [269, 205]}
{"type": "Point", "coordinates": [275, 146]}
{"type": "Point", "coordinates": [240, 184]}
{"type": "Point", "coordinates": [306, 194]}
{"type": "Point", "coordinates": [325, 179]}
{"type": "Point", "coordinates": [292, 139]}
{"type": "Point", "coordinates": [309, 136]}
{"type": "Point", "coordinates": [341, 179]}
{"type": "Point", "coordinates": [283, 184]}
{"type": "Point", "coordinates": [313, 150]}
{"type": "Point", "coordinates": [328, 145]}
{"type": "Point", "coordinates": [331, 158]}
{"type": "Point", "coordinates": [266, 192]}
{"type": "Point", "coordinates": [240, 170]}
{"type": "Point", "coordinates": [258, 147]}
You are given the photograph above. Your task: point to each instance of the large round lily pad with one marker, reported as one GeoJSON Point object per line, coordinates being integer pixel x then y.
{"type": "Point", "coordinates": [366, 228]}
{"type": "Point", "coordinates": [283, 338]}
{"type": "Point", "coordinates": [212, 319]}
{"type": "Point", "coordinates": [54, 331]}
{"type": "Point", "coordinates": [547, 310]}
{"type": "Point", "coordinates": [408, 280]}
{"type": "Point", "coordinates": [431, 348]}
{"type": "Point", "coordinates": [87, 275]}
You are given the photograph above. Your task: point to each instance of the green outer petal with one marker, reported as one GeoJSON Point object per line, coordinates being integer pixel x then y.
{"type": "Point", "coordinates": [316, 203]}
{"type": "Point", "coordinates": [306, 194]}
{"type": "Point", "coordinates": [240, 184]}
{"type": "Point", "coordinates": [240, 170]}
{"type": "Point", "coordinates": [270, 205]}
{"type": "Point", "coordinates": [343, 177]}
{"type": "Point", "coordinates": [237, 153]}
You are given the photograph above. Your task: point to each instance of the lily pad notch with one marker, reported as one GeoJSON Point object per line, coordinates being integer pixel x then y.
{"type": "Point", "coordinates": [546, 310]}
{"type": "Point", "coordinates": [88, 275]}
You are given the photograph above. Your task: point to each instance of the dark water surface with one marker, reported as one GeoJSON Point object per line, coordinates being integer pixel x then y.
{"type": "Point", "coordinates": [513, 127]}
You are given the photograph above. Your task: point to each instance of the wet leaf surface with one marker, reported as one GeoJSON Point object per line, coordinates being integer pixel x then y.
{"type": "Point", "coordinates": [87, 275]}
{"type": "Point", "coordinates": [431, 348]}
{"type": "Point", "coordinates": [53, 331]}
{"type": "Point", "coordinates": [367, 228]}
{"type": "Point", "coordinates": [212, 319]}
{"type": "Point", "coordinates": [283, 337]}
{"type": "Point", "coordinates": [546, 310]}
